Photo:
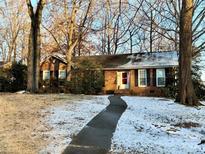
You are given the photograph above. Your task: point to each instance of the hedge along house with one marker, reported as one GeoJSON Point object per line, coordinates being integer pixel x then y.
{"type": "Point", "coordinates": [145, 74]}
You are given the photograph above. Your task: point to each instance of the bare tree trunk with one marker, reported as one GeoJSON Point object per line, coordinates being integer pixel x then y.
{"type": "Point", "coordinates": [108, 27]}
{"type": "Point", "coordinates": [69, 59]}
{"type": "Point", "coordinates": [131, 42]}
{"type": "Point", "coordinates": [187, 94]}
{"type": "Point", "coordinates": [3, 54]}
{"type": "Point", "coordinates": [9, 55]}
{"type": "Point", "coordinates": [71, 45]}
{"type": "Point", "coordinates": [15, 52]}
{"type": "Point", "coordinates": [34, 46]}
{"type": "Point", "coordinates": [151, 31]}
{"type": "Point", "coordinates": [72, 41]}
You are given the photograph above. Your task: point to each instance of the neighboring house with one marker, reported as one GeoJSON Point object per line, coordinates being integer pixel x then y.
{"type": "Point", "coordinates": [53, 67]}
{"type": "Point", "coordinates": [145, 74]}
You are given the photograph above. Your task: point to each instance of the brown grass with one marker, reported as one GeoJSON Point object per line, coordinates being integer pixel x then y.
{"type": "Point", "coordinates": [187, 125]}
{"type": "Point", "coordinates": [21, 121]}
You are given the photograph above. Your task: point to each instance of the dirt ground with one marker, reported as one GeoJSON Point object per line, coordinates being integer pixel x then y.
{"type": "Point", "coordinates": [21, 120]}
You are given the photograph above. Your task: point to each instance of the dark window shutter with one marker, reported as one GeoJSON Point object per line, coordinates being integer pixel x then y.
{"type": "Point", "coordinates": [154, 77]}
{"type": "Point", "coordinates": [136, 78]}
{"type": "Point", "coordinates": [148, 77]}
{"type": "Point", "coordinates": [56, 74]}
{"type": "Point", "coordinates": [167, 77]}
{"type": "Point", "coordinates": [103, 73]}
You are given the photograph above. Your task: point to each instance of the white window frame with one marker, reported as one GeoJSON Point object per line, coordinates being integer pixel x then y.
{"type": "Point", "coordinates": [59, 74]}
{"type": "Point", "coordinates": [139, 76]}
{"type": "Point", "coordinates": [164, 76]}
{"type": "Point", "coordinates": [46, 77]}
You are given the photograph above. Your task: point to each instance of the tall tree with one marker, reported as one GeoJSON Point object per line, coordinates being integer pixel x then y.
{"type": "Point", "coordinates": [34, 45]}
{"type": "Point", "coordinates": [187, 94]}
{"type": "Point", "coordinates": [68, 25]}
{"type": "Point", "coordinates": [118, 28]}
{"type": "Point", "coordinates": [13, 29]}
{"type": "Point", "coordinates": [72, 28]}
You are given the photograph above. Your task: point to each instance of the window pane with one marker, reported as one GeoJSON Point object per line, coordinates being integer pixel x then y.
{"type": "Point", "coordinates": [124, 81]}
{"type": "Point", "coordinates": [142, 81]}
{"type": "Point", "coordinates": [161, 81]}
{"type": "Point", "coordinates": [142, 77]}
{"type": "Point", "coordinates": [160, 77]}
{"type": "Point", "coordinates": [160, 73]}
{"type": "Point", "coordinates": [124, 75]}
{"type": "Point", "coordinates": [62, 74]}
{"type": "Point", "coordinates": [124, 78]}
{"type": "Point", "coordinates": [46, 75]}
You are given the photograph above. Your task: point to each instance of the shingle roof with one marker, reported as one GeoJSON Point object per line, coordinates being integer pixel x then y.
{"type": "Point", "coordinates": [130, 61]}
{"type": "Point", "coordinates": [136, 60]}
{"type": "Point", "coordinates": [107, 61]}
{"type": "Point", "coordinates": [152, 60]}
{"type": "Point", "coordinates": [56, 55]}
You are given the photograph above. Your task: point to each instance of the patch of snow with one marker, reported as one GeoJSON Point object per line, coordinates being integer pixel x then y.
{"type": "Point", "coordinates": [21, 92]}
{"type": "Point", "coordinates": [66, 121]}
{"type": "Point", "coordinates": [149, 125]}
{"type": "Point", "coordinates": [150, 60]}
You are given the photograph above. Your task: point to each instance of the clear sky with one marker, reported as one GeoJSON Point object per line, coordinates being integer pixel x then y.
{"type": "Point", "coordinates": [34, 2]}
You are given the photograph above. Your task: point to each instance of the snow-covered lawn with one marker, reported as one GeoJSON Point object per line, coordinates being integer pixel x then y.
{"type": "Point", "coordinates": [67, 120]}
{"type": "Point", "coordinates": [158, 125]}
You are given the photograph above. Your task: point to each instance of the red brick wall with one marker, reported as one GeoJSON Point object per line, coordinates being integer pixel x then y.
{"type": "Point", "coordinates": [151, 90]}
{"type": "Point", "coordinates": [145, 91]}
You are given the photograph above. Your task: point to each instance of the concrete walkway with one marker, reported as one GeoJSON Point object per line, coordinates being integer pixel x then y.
{"type": "Point", "coordinates": [95, 137]}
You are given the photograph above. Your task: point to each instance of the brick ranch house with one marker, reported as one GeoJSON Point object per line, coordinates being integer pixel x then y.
{"type": "Point", "coordinates": [144, 74]}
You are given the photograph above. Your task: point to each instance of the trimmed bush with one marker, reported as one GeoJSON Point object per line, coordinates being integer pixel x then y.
{"type": "Point", "coordinates": [170, 91]}
{"type": "Point", "coordinates": [13, 79]}
{"type": "Point", "coordinates": [5, 84]}
{"type": "Point", "coordinates": [18, 77]}
{"type": "Point", "coordinates": [87, 78]}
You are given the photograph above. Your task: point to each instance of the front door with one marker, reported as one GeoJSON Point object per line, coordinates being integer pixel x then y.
{"type": "Point", "coordinates": [123, 80]}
